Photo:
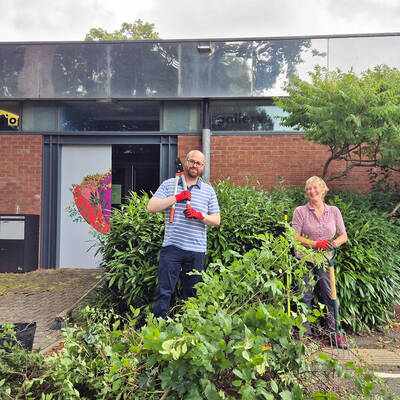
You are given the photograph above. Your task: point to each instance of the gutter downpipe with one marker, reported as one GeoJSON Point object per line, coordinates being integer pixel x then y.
{"type": "Point", "coordinates": [206, 139]}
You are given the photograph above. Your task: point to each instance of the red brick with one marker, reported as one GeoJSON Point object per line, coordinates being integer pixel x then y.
{"type": "Point", "coordinates": [264, 157]}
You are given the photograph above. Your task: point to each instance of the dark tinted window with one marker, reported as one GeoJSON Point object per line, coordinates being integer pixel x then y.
{"type": "Point", "coordinates": [114, 116]}
{"type": "Point", "coordinates": [246, 115]}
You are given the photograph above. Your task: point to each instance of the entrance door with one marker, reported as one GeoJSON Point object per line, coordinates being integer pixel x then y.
{"type": "Point", "coordinates": [135, 168]}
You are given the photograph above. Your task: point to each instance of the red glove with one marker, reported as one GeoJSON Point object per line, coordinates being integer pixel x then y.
{"type": "Point", "coordinates": [322, 244]}
{"type": "Point", "coordinates": [333, 244]}
{"type": "Point", "coordinates": [192, 213]}
{"type": "Point", "coordinates": [185, 195]}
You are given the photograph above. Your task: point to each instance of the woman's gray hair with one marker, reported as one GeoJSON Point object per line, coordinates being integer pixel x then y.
{"type": "Point", "coordinates": [320, 181]}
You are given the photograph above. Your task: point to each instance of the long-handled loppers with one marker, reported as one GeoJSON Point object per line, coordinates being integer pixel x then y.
{"type": "Point", "coordinates": [179, 174]}
{"type": "Point", "coordinates": [338, 338]}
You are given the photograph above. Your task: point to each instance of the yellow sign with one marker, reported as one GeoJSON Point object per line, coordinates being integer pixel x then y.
{"type": "Point", "coordinates": [12, 119]}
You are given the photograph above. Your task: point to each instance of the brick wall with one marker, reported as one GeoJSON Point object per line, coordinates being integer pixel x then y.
{"type": "Point", "coordinates": [20, 174]}
{"type": "Point", "coordinates": [269, 158]}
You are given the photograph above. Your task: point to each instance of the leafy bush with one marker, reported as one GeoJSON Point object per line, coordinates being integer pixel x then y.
{"type": "Point", "coordinates": [368, 266]}
{"type": "Point", "coordinates": [225, 344]}
{"type": "Point", "coordinates": [368, 272]}
{"type": "Point", "coordinates": [130, 254]}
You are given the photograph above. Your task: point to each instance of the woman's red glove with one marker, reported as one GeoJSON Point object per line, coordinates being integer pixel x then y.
{"type": "Point", "coordinates": [192, 213]}
{"type": "Point", "coordinates": [322, 244]}
{"type": "Point", "coordinates": [184, 195]}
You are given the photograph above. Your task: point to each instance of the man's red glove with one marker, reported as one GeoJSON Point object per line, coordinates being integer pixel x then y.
{"type": "Point", "coordinates": [185, 195]}
{"type": "Point", "coordinates": [192, 213]}
{"type": "Point", "coordinates": [322, 244]}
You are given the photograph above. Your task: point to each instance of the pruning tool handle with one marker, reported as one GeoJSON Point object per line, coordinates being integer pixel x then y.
{"type": "Point", "coordinates": [331, 263]}
{"type": "Point", "coordinates": [179, 174]}
{"type": "Point", "coordinates": [333, 283]}
{"type": "Point", "coordinates": [185, 188]}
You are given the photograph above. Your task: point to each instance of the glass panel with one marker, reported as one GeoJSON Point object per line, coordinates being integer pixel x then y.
{"type": "Point", "coordinates": [9, 116]}
{"type": "Point", "coordinates": [275, 61]}
{"type": "Point", "coordinates": [115, 116]}
{"type": "Point", "coordinates": [181, 116]}
{"type": "Point", "coordinates": [74, 70]}
{"type": "Point", "coordinates": [144, 70]}
{"type": "Point", "coordinates": [224, 70]}
{"type": "Point", "coordinates": [251, 115]}
{"type": "Point", "coordinates": [363, 52]}
{"type": "Point", "coordinates": [19, 66]}
{"type": "Point", "coordinates": [39, 117]}
{"type": "Point", "coordinates": [165, 69]}
{"type": "Point", "coordinates": [135, 167]}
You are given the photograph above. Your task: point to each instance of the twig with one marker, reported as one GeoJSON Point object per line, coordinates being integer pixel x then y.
{"type": "Point", "coordinates": [391, 214]}
{"type": "Point", "coordinates": [64, 313]}
{"type": "Point", "coordinates": [166, 393]}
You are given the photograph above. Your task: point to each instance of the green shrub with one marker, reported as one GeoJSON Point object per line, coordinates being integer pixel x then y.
{"type": "Point", "coordinates": [224, 344]}
{"type": "Point", "coordinates": [367, 267]}
{"type": "Point", "coordinates": [130, 254]}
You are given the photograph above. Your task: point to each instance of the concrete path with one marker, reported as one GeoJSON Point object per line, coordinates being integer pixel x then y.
{"type": "Point", "coordinates": [39, 296]}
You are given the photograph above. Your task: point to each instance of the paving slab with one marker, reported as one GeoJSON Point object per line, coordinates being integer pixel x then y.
{"type": "Point", "coordinates": [376, 357]}
{"type": "Point", "coordinates": [39, 296]}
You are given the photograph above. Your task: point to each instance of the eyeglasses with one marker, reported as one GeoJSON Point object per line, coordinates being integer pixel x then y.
{"type": "Point", "coordinates": [195, 163]}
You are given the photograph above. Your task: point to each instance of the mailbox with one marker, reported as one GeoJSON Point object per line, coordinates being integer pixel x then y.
{"type": "Point", "coordinates": [19, 242]}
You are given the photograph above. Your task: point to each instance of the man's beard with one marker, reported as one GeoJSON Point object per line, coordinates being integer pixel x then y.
{"type": "Point", "coordinates": [194, 173]}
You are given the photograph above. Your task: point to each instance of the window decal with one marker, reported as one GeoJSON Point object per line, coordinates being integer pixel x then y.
{"type": "Point", "coordinates": [92, 199]}
{"type": "Point", "coordinates": [9, 119]}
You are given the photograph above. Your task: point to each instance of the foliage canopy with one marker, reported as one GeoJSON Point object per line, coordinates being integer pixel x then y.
{"type": "Point", "coordinates": [139, 30]}
{"type": "Point", "coordinates": [357, 117]}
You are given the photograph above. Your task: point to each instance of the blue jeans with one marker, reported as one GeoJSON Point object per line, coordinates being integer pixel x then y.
{"type": "Point", "coordinates": [175, 263]}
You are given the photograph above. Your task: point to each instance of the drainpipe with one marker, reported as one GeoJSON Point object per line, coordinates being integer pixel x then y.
{"type": "Point", "coordinates": [206, 139]}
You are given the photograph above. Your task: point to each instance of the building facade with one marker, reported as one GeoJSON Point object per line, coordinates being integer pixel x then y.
{"type": "Point", "coordinates": [84, 123]}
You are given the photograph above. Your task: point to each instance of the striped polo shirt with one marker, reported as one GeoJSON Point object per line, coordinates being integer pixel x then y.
{"type": "Point", "coordinates": [188, 233]}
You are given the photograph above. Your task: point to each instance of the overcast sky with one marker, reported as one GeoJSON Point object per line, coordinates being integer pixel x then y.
{"type": "Point", "coordinates": [65, 20]}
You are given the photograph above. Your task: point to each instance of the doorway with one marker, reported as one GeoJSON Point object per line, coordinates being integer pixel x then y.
{"type": "Point", "coordinates": [135, 168]}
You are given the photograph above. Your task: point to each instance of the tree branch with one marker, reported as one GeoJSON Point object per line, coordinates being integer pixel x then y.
{"type": "Point", "coordinates": [342, 174]}
{"type": "Point", "coordinates": [393, 212]}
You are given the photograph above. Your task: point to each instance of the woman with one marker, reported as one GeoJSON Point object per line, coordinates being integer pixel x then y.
{"type": "Point", "coordinates": [319, 226]}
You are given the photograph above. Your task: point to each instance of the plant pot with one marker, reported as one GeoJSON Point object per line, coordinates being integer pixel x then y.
{"type": "Point", "coordinates": [24, 333]}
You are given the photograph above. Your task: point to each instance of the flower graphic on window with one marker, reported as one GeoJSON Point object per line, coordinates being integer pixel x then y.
{"type": "Point", "coordinates": [93, 201]}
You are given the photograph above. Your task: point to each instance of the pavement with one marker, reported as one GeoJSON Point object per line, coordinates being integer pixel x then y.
{"type": "Point", "coordinates": [40, 296]}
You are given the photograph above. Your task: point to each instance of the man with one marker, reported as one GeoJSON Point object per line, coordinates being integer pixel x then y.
{"type": "Point", "coordinates": [185, 240]}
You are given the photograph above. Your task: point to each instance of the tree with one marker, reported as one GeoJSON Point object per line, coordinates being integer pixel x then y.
{"type": "Point", "coordinates": [139, 30]}
{"type": "Point", "coordinates": [357, 117]}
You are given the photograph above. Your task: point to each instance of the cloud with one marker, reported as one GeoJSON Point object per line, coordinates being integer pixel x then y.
{"type": "Point", "coordinates": [45, 20]}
